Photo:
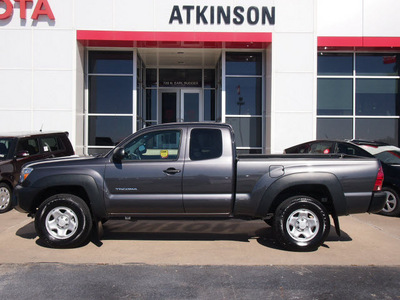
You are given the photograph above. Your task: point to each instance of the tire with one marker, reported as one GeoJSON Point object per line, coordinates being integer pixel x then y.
{"type": "Point", "coordinates": [392, 207]}
{"type": "Point", "coordinates": [301, 223]}
{"type": "Point", "coordinates": [5, 198]}
{"type": "Point", "coordinates": [63, 221]}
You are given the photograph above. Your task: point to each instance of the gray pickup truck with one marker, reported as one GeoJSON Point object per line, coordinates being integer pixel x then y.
{"type": "Point", "coordinates": [191, 170]}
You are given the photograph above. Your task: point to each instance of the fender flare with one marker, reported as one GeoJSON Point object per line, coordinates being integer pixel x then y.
{"type": "Point", "coordinates": [285, 183]}
{"type": "Point", "coordinates": [86, 182]}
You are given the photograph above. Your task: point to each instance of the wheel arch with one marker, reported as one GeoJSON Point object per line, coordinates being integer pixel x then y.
{"type": "Point", "coordinates": [324, 187]}
{"type": "Point", "coordinates": [82, 186]}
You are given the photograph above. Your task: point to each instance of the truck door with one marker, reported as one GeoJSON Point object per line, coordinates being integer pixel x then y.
{"type": "Point", "coordinates": [208, 173]}
{"type": "Point", "coordinates": [148, 178]}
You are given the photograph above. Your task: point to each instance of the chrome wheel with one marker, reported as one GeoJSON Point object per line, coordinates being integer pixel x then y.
{"type": "Point", "coordinates": [61, 222]}
{"type": "Point", "coordinates": [5, 197]}
{"type": "Point", "coordinates": [391, 202]}
{"type": "Point", "coordinates": [302, 225]}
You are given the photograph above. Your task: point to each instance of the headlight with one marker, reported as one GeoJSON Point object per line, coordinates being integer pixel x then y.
{"type": "Point", "coordinates": [24, 174]}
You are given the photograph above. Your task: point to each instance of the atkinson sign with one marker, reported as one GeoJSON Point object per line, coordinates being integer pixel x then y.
{"type": "Point", "coordinates": [237, 15]}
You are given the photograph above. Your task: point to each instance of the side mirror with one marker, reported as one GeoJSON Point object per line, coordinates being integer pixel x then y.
{"type": "Point", "coordinates": [119, 154]}
{"type": "Point", "coordinates": [22, 154]}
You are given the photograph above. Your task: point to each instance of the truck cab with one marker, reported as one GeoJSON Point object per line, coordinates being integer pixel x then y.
{"type": "Point", "coordinates": [173, 170]}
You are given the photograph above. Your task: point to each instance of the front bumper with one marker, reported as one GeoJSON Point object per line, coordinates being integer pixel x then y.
{"type": "Point", "coordinates": [23, 198]}
{"type": "Point", "coordinates": [378, 202]}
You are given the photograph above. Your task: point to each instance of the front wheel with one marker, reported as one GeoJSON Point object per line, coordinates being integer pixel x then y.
{"type": "Point", "coordinates": [392, 207]}
{"type": "Point", "coordinates": [301, 223]}
{"type": "Point", "coordinates": [63, 221]}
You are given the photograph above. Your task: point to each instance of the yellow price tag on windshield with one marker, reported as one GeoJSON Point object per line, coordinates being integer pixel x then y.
{"type": "Point", "coordinates": [164, 153]}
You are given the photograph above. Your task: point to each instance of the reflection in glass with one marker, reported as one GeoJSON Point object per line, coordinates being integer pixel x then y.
{"type": "Point", "coordinates": [238, 63]}
{"type": "Point", "coordinates": [110, 62]}
{"type": "Point", "coordinates": [247, 131]}
{"type": "Point", "coordinates": [191, 107]}
{"type": "Point", "coordinates": [377, 97]}
{"type": "Point", "coordinates": [209, 105]}
{"type": "Point", "coordinates": [381, 130]}
{"type": "Point", "coordinates": [335, 96]}
{"type": "Point", "coordinates": [209, 78]}
{"type": "Point", "coordinates": [243, 96]}
{"type": "Point", "coordinates": [151, 104]}
{"type": "Point", "coordinates": [378, 64]}
{"type": "Point", "coordinates": [151, 77]}
{"type": "Point", "coordinates": [168, 110]}
{"type": "Point", "coordinates": [108, 131]}
{"type": "Point", "coordinates": [335, 64]}
{"type": "Point", "coordinates": [334, 128]}
{"type": "Point", "coordinates": [110, 94]}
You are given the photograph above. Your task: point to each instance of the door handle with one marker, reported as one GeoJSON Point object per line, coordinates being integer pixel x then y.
{"type": "Point", "coordinates": [171, 171]}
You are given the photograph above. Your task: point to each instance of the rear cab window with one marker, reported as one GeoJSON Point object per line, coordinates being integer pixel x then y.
{"type": "Point", "coordinates": [205, 144]}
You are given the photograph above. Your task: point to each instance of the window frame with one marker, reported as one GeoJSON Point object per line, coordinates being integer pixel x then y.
{"type": "Point", "coordinates": [354, 117]}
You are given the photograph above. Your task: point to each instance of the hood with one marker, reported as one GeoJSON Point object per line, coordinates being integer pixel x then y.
{"type": "Point", "coordinates": [64, 161]}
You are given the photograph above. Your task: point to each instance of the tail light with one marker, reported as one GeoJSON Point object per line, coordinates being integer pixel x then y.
{"type": "Point", "coordinates": [379, 180]}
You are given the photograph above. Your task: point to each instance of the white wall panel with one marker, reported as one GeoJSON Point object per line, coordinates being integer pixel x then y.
{"type": "Point", "coordinates": [52, 120]}
{"type": "Point", "coordinates": [15, 49]}
{"type": "Point", "coordinates": [294, 92]}
{"type": "Point", "coordinates": [294, 52]}
{"type": "Point", "coordinates": [128, 17]}
{"type": "Point", "coordinates": [53, 49]}
{"type": "Point", "coordinates": [15, 121]}
{"type": "Point", "coordinates": [340, 17]}
{"type": "Point", "coordinates": [16, 89]}
{"type": "Point", "coordinates": [381, 18]}
{"type": "Point", "coordinates": [96, 14]}
{"type": "Point", "coordinates": [294, 16]}
{"type": "Point", "coordinates": [52, 90]}
{"type": "Point", "coordinates": [291, 129]}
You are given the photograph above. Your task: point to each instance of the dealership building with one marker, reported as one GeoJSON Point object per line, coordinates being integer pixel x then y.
{"type": "Point", "coordinates": [280, 72]}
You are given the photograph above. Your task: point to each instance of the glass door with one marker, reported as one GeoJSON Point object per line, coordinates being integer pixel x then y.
{"type": "Point", "coordinates": [191, 106]}
{"type": "Point", "coordinates": [169, 111]}
{"type": "Point", "coordinates": [184, 105]}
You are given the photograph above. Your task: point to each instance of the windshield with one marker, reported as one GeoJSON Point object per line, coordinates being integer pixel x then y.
{"type": "Point", "coordinates": [4, 148]}
{"type": "Point", "coordinates": [389, 157]}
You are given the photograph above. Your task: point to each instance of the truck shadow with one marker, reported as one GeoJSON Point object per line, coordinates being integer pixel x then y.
{"type": "Point", "coordinates": [186, 230]}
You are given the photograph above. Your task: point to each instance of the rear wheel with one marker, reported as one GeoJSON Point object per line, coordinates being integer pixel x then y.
{"type": "Point", "coordinates": [5, 197]}
{"type": "Point", "coordinates": [63, 221]}
{"type": "Point", "coordinates": [301, 223]}
{"type": "Point", "coordinates": [392, 207]}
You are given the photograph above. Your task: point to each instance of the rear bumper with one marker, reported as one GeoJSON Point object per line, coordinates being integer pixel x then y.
{"type": "Point", "coordinates": [378, 201]}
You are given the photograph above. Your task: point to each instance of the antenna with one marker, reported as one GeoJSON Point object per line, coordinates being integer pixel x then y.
{"type": "Point", "coordinates": [41, 128]}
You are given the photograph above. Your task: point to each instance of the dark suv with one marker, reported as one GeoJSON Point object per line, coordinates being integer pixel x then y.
{"type": "Point", "coordinates": [18, 149]}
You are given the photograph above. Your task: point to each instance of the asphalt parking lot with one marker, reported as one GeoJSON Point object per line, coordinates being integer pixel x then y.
{"type": "Point", "coordinates": [366, 240]}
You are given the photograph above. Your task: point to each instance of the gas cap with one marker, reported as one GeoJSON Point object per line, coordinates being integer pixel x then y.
{"type": "Point", "coordinates": [276, 171]}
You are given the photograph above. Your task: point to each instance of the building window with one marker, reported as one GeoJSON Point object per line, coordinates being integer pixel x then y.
{"type": "Point", "coordinates": [244, 75]}
{"type": "Point", "coordinates": [110, 102]}
{"type": "Point", "coordinates": [358, 96]}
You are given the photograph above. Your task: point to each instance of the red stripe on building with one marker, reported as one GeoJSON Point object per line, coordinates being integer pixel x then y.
{"type": "Point", "coordinates": [174, 39]}
{"type": "Point", "coordinates": [359, 42]}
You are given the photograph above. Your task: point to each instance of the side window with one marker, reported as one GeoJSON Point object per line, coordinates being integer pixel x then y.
{"type": "Point", "coordinates": [205, 144]}
{"type": "Point", "coordinates": [352, 150]}
{"type": "Point", "coordinates": [29, 145]}
{"type": "Point", "coordinates": [159, 145]}
{"type": "Point", "coordinates": [50, 144]}
{"type": "Point", "coordinates": [323, 147]}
